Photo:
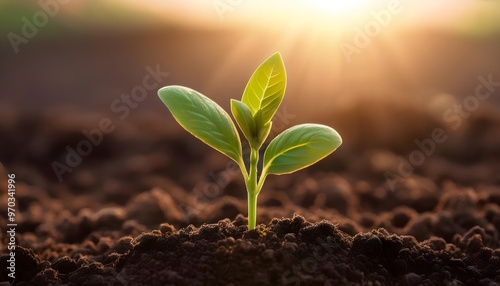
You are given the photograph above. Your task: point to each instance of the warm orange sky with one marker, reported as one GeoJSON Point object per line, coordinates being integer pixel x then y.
{"type": "Point", "coordinates": [344, 13]}
{"type": "Point", "coordinates": [332, 49]}
{"type": "Point", "coordinates": [466, 16]}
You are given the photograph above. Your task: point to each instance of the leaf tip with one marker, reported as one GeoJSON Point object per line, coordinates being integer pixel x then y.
{"type": "Point", "coordinates": [277, 55]}
{"type": "Point", "coordinates": [166, 90]}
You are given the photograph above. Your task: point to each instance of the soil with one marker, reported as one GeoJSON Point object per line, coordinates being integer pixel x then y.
{"type": "Point", "coordinates": [151, 206]}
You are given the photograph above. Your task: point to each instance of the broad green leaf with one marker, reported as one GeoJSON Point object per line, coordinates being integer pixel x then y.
{"type": "Point", "coordinates": [203, 118]}
{"type": "Point", "coordinates": [299, 147]}
{"type": "Point", "coordinates": [266, 87]}
{"type": "Point", "coordinates": [243, 116]}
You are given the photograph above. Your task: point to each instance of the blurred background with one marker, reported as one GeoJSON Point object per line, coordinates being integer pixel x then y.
{"type": "Point", "coordinates": [413, 87]}
{"type": "Point", "coordinates": [382, 73]}
{"type": "Point", "coordinates": [341, 56]}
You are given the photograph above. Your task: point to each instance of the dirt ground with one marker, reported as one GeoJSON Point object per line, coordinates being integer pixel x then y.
{"type": "Point", "coordinates": [152, 206]}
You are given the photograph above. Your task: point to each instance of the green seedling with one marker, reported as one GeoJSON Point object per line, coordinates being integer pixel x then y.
{"type": "Point", "coordinates": [294, 149]}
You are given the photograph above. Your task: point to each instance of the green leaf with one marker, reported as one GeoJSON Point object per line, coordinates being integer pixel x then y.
{"type": "Point", "coordinates": [203, 118]}
{"type": "Point", "coordinates": [263, 128]}
{"type": "Point", "coordinates": [299, 147]}
{"type": "Point", "coordinates": [263, 133]}
{"type": "Point", "coordinates": [243, 116]}
{"type": "Point", "coordinates": [266, 87]}
{"type": "Point", "coordinates": [253, 127]}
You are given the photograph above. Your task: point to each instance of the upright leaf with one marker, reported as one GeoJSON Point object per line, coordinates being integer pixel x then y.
{"type": "Point", "coordinates": [203, 118]}
{"type": "Point", "coordinates": [263, 133]}
{"type": "Point", "coordinates": [299, 147]}
{"type": "Point", "coordinates": [243, 116]}
{"type": "Point", "coordinates": [266, 87]}
{"type": "Point", "coordinates": [263, 128]}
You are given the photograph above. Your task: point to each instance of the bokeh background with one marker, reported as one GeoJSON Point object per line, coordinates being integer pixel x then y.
{"type": "Point", "coordinates": [426, 55]}
{"type": "Point", "coordinates": [388, 75]}
{"type": "Point", "coordinates": [382, 73]}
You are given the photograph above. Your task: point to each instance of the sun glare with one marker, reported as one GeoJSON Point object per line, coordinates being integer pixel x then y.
{"type": "Point", "coordinates": [335, 6]}
{"type": "Point", "coordinates": [326, 15]}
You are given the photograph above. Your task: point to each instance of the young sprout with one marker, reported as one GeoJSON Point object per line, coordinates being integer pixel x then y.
{"type": "Point", "coordinates": [294, 149]}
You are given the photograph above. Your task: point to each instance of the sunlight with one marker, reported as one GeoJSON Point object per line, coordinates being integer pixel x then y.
{"type": "Point", "coordinates": [316, 14]}
{"type": "Point", "coordinates": [336, 5]}
{"type": "Point", "coordinates": [330, 45]}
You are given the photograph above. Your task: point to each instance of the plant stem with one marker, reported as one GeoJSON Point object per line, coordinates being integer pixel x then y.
{"type": "Point", "coordinates": [252, 210]}
{"type": "Point", "coordinates": [252, 189]}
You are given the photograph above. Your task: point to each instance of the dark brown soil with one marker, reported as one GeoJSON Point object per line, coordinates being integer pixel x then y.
{"type": "Point", "coordinates": [156, 207]}
{"type": "Point", "coordinates": [286, 251]}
